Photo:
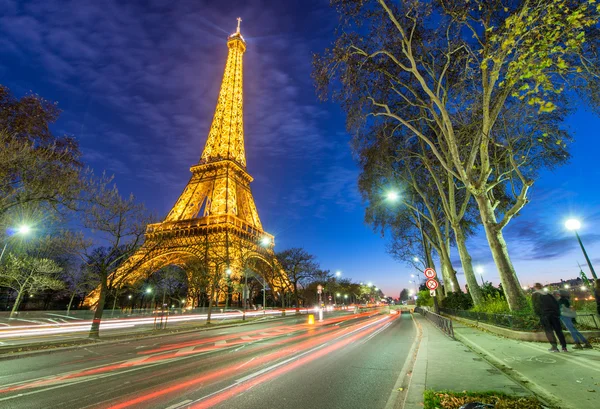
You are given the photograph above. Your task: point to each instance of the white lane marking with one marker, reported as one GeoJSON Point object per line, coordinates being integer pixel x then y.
{"type": "Point", "coordinates": [221, 342]}
{"type": "Point", "coordinates": [185, 351]}
{"type": "Point", "coordinates": [177, 405]}
{"type": "Point", "coordinates": [246, 363]}
{"type": "Point", "coordinates": [375, 333]}
{"type": "Point", "coordinates": [135, 360]}
{"type": "Point", "coordinates": [246, 338]}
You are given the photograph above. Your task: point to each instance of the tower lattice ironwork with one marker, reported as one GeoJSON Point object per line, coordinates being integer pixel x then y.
{"type": "Point", "coordinates": [214, 222]}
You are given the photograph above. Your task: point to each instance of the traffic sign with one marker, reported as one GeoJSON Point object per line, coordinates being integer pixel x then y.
{"type": "Point", "coordinates": [319, 289]}
{"type": "Point", "coordinates": [432, 293]}
{"type": "Point", "coordinates": [431, 284]}
{"type": "Point", "coordinates": [429, 273]}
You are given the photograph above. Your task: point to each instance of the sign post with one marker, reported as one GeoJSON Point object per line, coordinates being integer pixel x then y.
{"type": "Point", "coordinates": [432, 285]}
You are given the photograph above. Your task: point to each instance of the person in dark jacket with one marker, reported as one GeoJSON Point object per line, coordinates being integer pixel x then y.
{"type": "Point", "coordinates": [546, 307]}
{"type": "Point", "coordinates": [567, 315]}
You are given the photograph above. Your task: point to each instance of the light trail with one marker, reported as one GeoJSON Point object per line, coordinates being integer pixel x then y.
{"type": "Point", "coordinates": [290, 355]}
{"type": "Point", "coordinates": [277, 370]}
{"type": "Point", "coordinates": [30, 330]}
{"type": "Point", "coordinates": [173, 352]}
{"type": "Point", "coordinates": [33, 330]}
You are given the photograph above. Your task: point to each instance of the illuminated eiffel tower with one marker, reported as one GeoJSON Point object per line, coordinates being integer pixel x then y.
{"type": "Point", "coordinates": [215, 220]}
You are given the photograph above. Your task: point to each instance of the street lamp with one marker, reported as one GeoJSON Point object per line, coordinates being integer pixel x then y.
{"type": "Point", "coordinates": [479, 271]}
{"type": "Point", "coordinates": [392, 196]}
{"type": "Point", "coordinates": [23, 230]}
{"type": "Point", "coordinates": [574, 225]}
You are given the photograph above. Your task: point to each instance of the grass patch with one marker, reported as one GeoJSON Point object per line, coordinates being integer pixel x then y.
{"type": "Point", "coordinates": [454, 400]}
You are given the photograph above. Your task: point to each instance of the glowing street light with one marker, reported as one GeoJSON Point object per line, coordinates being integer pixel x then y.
{"type": "Point", "coordinates": [479, 271]}
{"type": "Point", "coordinates": [23, 230]}
{"type": "Point", "coordinates": [574, 225]}
{"type": "Point", "coordinates": [392, 196]}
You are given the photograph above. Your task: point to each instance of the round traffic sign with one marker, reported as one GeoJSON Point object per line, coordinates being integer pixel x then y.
{"type": "Point", "coordinates": [429, 273]}
{"type": "Point", "coordinates": [431, 284]}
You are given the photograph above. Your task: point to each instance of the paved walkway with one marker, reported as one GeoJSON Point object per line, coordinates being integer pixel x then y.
{"type": "Point", "coordinates": [446, 364]}
{"type": "Point", "coordinates": [568, 380]}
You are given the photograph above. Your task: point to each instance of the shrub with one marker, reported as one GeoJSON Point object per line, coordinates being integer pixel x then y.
{"type": "Point", "coordinates": [457, 301]}
{"type": "Point", "coordinates": [493, 304]}
{"type": "Point", "coordinates": [424, 299]}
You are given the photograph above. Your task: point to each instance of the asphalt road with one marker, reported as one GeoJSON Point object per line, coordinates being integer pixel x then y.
{"type": "Point", "coordinates": [348, 361]}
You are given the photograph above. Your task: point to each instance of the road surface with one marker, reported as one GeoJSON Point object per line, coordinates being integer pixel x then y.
{"type": "Point", "coordinates": [348, 361]}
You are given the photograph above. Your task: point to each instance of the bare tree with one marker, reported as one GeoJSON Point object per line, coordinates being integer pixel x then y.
{"type": "Point", "coordinates": [27, 274]}
{"type": "Point", "coordinates": [300, 267]}
{"type": "Point", "coordinates": [119, 225]}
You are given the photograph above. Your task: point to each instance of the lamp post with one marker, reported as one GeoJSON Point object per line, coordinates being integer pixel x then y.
{"type": "Point", "coordinates": [479, 271]}
{"type": "Point", "coordinates": [574, 225]}
{"type": "Point", "coordinates": [22, 230]}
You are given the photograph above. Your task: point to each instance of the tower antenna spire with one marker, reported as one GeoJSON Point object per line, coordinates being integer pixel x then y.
{"type": "Point", "coordinates": [239, 20]}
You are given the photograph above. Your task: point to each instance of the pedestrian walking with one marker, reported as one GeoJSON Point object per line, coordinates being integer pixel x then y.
{"type": "Point", "coordinates": [546, 307]}
{"type": "Point", "coordinates": [567, 316]}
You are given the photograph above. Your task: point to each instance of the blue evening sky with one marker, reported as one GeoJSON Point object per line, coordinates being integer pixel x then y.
{"type": "Point", "coordinates": [138, 83]}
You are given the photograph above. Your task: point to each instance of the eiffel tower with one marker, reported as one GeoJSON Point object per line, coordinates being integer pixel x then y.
{"type": "Point", "coordinates": [214, 221]}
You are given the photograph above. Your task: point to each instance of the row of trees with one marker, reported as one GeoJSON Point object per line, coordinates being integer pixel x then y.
{"type": "Point", "coordinates": [457, 107]}
{"type": "Point", "coordinates": [305, 275]}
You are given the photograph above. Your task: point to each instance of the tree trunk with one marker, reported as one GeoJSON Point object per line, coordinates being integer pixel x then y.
{"type": "Point", "coordinates": [450, 282]}
{"type": "Point", "coordinates": [95, 330]}
{"type": "Point", "coordinates": [510, 283]}
{"type": "Point", "coordinates": [467, 265]}
{"type": "Point", "coordinates": [18, 300]}
{"type": "Point", "coordinates": [71, 301]}
{"type": "Point", "coordinates": [210, 304]}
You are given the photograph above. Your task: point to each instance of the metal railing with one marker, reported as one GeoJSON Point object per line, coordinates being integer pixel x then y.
{"type": "Point", "coordinates": [524, 322]}
{"type": "Point", "coordinates": [443, 323]}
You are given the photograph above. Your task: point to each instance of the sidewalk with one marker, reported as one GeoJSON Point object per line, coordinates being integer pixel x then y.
{"type": "Point", "coordinates": [567, 380]}
{"type": "Point", "coordinates": [446, 364]}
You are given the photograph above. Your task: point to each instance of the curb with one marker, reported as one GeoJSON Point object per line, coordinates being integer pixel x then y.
{"type": "Point", "coordinates": [418, 372]}
{"type": "Point", "coordinates": [395, 400]}
{"type": "Point", "coordinates": [546, 397]}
